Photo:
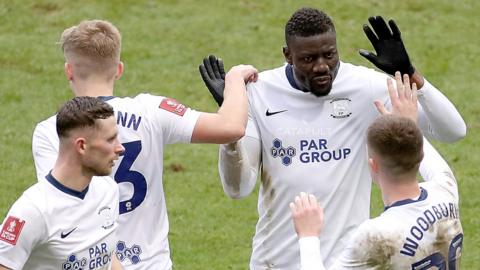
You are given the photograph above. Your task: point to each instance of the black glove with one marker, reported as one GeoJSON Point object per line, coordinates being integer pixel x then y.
{"type": "Point", "coordinates": [391, 53]}
{"type": "Point", "coordinates": [213, 75]}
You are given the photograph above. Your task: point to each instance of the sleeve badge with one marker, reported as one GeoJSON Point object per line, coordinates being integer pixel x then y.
{"type": "Point", "coordinates": [171, 105]}
{"type": "Point", "coordinates": [11, 230]}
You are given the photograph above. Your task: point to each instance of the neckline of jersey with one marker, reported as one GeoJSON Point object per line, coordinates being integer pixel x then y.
{"type": "Point", "coordinates": [423, 196]}
{"type": "Point", "coordinates": [105, 98]}
{"type": "Point", "coordinates": [61, 187]}
{"type": "Point", "coordinates": [291, 78]}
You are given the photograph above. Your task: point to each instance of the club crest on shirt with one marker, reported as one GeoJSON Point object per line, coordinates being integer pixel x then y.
{"type": "Point", "coordinates": [340, 107]}
{"type": "Point", "coordinates": [171, 105]}
{"type": "Point", "coordinates": [11, 230]}
{"type": "Point", "coordinates": [107, 215]}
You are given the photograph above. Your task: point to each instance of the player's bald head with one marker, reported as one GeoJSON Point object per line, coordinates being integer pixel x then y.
{"type": "Point", "coordinates": [397, 142]}
{"type": "Point", "coordinates": [307, 22]}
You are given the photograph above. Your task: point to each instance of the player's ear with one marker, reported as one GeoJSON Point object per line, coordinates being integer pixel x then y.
{"type": "Point", "coordinates": [287, 54]}
{"type": "Point", "coordinates": [373, 165]}
{"type": "Point", "coordinates": [120, 68]}
{"type": "Point", "coordinates": [68, 71]}
{"type": "Point", "coordinates": [80, 145]}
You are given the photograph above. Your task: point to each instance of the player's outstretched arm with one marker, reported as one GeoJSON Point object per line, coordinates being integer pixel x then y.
{"type": "Point", "coordinates": [238, 161]}
{"type": "Point", "coordinates": [4, 268]}
{"type": "Point", "coordinates": [229, 123]}
{"type": "Point", "coordinates": [238, 166]}
{"type": "Point", "coordinates": [433, 165]}
{"type": "Point", "coordinates": [439, 118]}
{"type": "Point", "coordinates": [404, 103]}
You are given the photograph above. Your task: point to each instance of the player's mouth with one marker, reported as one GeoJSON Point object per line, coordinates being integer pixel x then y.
{"type": "Point", "coordinates": [322, 80]}
{"type": "Point", "coordinates": [112, 162]}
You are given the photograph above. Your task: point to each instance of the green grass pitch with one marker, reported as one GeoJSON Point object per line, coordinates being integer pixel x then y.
{"type": "Point", "coordinates": [163, 43]}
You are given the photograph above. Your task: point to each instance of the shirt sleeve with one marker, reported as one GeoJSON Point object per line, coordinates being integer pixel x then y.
{"type": "Point", "coordinates": [22, 230]}
{"type": "Point", "coordinates": [175, 120]}
{"type": "Point", "coordinates": [434, 168]}
{"type": "Point", "coordinates": [239, 162]}
{"type": "Point", "coordinates": [310, 257]}
{"type": "Point", "coordinates": [438, 116]}
{"type": "Point", "coordinates": [45, 147]}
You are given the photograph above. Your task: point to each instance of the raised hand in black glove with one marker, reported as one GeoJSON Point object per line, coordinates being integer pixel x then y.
{"type": "Point", "coordinates": [391, 53]}
{"type": "Point", "coordinates": [213, 75]}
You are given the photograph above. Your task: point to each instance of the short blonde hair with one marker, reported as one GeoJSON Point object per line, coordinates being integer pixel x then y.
{"type": "Point", "coordinates": [92, 47]}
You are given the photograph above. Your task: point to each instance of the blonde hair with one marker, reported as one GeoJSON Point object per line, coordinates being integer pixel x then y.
{"type": "Point", "coordinates": [92, 47]}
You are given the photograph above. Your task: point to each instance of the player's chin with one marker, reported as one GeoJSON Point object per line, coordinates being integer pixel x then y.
{"type": "Point", "coordinates": [104, 171]}
{"type": "Point", "coordinates": [320, 88]}
{"type": "Point", "coordinates": [321, 92]}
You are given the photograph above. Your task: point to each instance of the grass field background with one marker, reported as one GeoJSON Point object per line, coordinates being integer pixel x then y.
{"type": "Point", "coordinates": [163, 43]}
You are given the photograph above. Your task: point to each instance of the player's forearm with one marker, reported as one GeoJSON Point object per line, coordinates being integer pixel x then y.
{"type": "Point", "coordinates": [310, 258]}
{"type": "Point", "coordinates": [233, 111]}
{"type": "Point", "coordinates": [238, 167]}
{"type": "Point", "coordinates": [433, 163]}
{"type": "Point", "coordinates": [443, 121]}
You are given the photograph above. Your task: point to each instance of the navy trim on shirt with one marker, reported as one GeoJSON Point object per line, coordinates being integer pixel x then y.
{"type": "Point", "coordinates": [291, 77]}
{"type": "Point", "coordinates": [423, 196]}
{"type": "Point", "coordinates": [105, 98]}
{"type": "Point", "coordinates": [61, 187]}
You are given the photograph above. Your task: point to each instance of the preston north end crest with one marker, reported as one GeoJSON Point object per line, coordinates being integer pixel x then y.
{"type": "Point", "coordinates": [340, 107]}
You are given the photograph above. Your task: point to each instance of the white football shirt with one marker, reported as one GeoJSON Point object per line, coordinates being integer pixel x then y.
{"type": "Point", "coordinates": [419, 233]}
{"type": "Point", "coordinates": [54, 227]}
{"type": "Point", "coordinates": [145, 124]}
{"type": "Point", "coordinates": [316, 145]}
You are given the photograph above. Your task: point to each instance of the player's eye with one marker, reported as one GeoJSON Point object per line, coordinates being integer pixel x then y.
{"type": "Point", "coordinates": [308, 59]}
{"type": "Point", "coordinates": [112, 139]}
{"type": "Point", "coordinates": [330, 55]}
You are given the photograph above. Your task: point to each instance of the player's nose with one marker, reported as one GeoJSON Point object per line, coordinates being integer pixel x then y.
{"type": "Point", "coordinates": [119, 149]}
{"type": "Point", "coordinates": [320, 65]}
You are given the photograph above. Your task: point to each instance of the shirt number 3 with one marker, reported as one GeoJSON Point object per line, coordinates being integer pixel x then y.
{"type": "Point", "coordinates": [125, 175]}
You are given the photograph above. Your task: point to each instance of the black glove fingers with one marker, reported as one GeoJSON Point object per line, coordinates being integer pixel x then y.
{"type": "Point", "coordinates": [380, 27]}
{"type": "Point", "coordinates": [208, 67]}
{"type": "Point", "coordinates": [211, 72]}
{"type": "Point", "coordinates": [395, 31]}
{"type": "Point", "coordinates": [216, 68]}
{"type": "Point", "coordinates": [221, 68]}
{"type": "Point", "coordinates": [214, 65]}
{"type": "Point", "coordinates": [203, 73]}
{"type": "Point", "coordinates": [370, 57]}
{"type": "Point", "coordinates": [371, 36]}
